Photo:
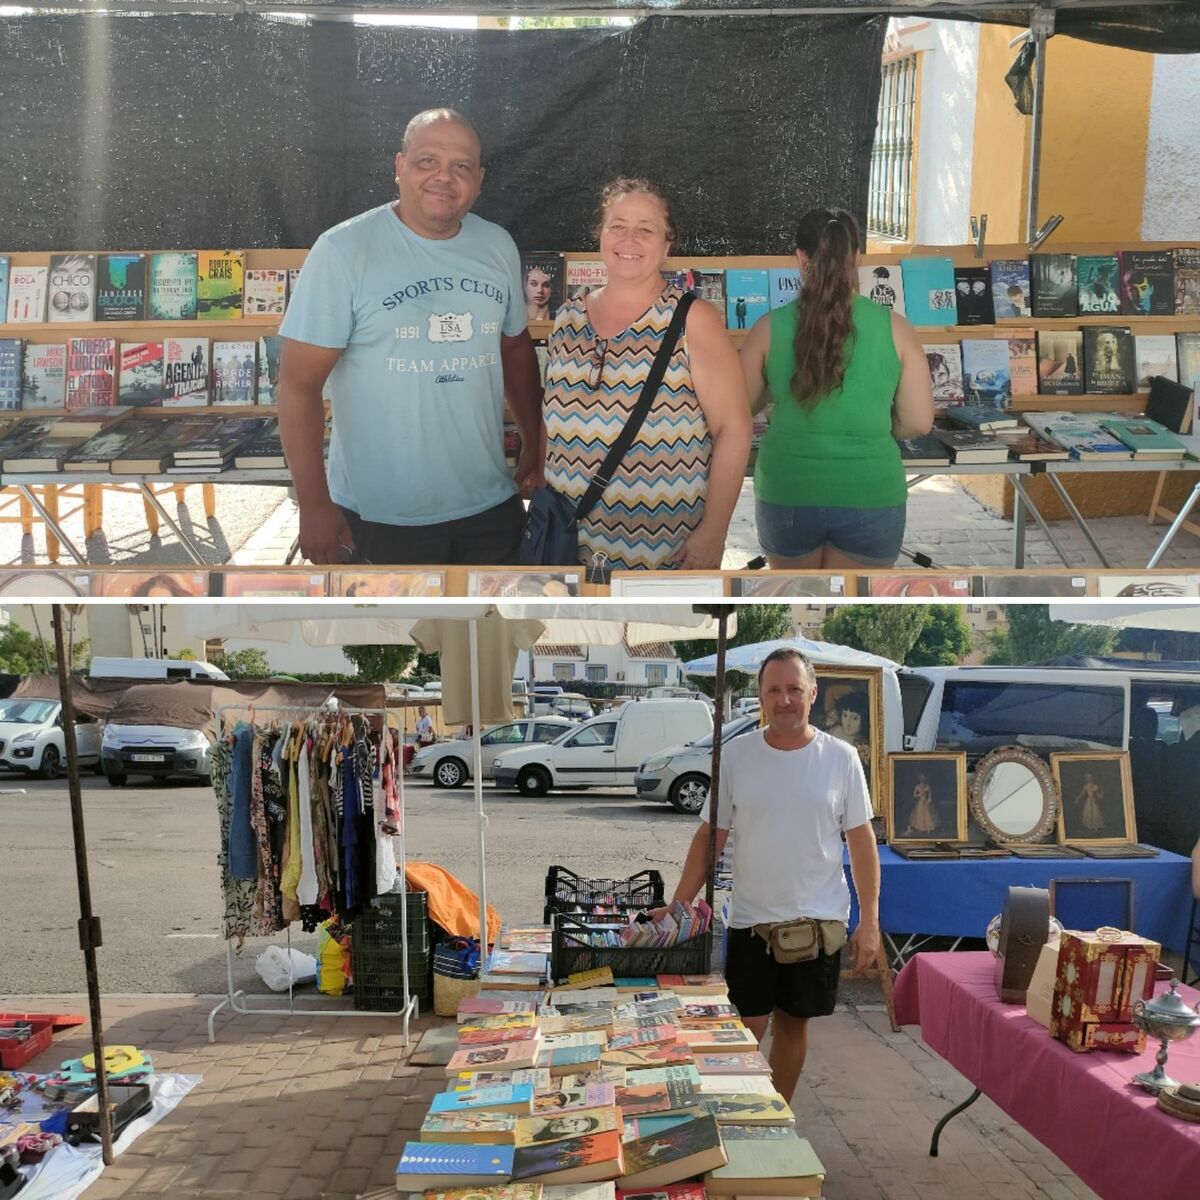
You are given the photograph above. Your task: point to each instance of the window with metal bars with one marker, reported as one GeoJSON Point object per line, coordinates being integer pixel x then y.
{"type": "Point", "coordinates": [893, 157]}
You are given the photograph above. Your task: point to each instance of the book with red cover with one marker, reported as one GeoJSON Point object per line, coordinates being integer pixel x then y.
{"type": "Point", "coordinates": [91, 372]}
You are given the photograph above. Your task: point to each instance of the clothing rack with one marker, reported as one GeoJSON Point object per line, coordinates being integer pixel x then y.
{"type": "Point", "coordinates": [236, 999]}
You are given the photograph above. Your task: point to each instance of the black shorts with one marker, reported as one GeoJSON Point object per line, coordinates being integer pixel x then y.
{"type": "Point", "coordinates": [491, 538]}
{"type": "Point", "coordinates": [758, 984]}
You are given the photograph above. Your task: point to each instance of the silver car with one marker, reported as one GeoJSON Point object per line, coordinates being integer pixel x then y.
{"type": "Point", "coordinates": [680, 776]}
{"type": "Point", "coordinates": [448, 764]}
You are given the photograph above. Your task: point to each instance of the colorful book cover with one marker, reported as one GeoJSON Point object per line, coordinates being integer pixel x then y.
{"type": "Point", "coordinates": [91, 372]}
{"type": "Point", "coordinates": [923, 451]}
{"type": "Point", "coordinates": [1022, 361]}
{"type": "Point", "coordinates": [268, 368]}
{"type": "Point", "coordinates": [986, 377]}
{"type": "Point", "coordinates": [1108, 360]}
{"type": "Point", "coordinates": [1010, 288]}
{"type": "Point", "coordinates": [1060, 362]}
{"type": "Point", "coordinates": [598, 1095]}
{"type": "Point", "coordinates": [929, 291]}
{"type": "Point", "coordinates": [569, 1058]}
{"type": "Point", "coordinates": [747, 297]}
{"type": "Point", "coordinates": [945, 372]}
{"type": "Point", "coordinates": [552, 1127]}
{"type": "Point", "coordinates": [683, 1073]}
{"type": "Point", "coordinates": [499, 1191]}
{"type": "Point", "coordinates": [478, 1128]}
{"type": "Point", "coordinates": [668, 1054]}
{"type": "Point", "coordinates": [1147, 283]}
{"type": "Point", "coordinates": [233, 372]}
{"type": "Point", "coordinates": [733, 1085]}
{"type": "Point", "coordinates": [1055, 285]}
{"type": "Point", "coordinates": [266, 293]}
{"type": "Point", "coordinates": [708, 1010]}
{"type": "Point", "coordinates": [1078, 433]}
{"type": "Point", "coordinates": [710, 286]}
{"type": "Point", "coordinates": [785, 1164]}
{"type": "Point", "coordinates": [584, 276]}
{"type": "Point", "coordinates": [783, 285]}
{"type": "Point", "coordinates": [673, 1155]}
{"type": "Point", "coordinates": [141, 381]}
{"type": "Point", "coordinates": [121, 287]}
{"type": "Point", "coordinates": [185, 371]}
{"type": "Point", "coordinates": [1154, 354]}
{"type": "Point", "coordinates": [652, 1035]}
{"type": "Point", "coordinates": [646, 1098]}
{"type": "Point", "coordinates": [492, 1006]}
{"type": "Point", "coordinates": [497, 1037]}
{"type": "Point", "coordinates": [521, 1056]}
{"type": "Point", "coordinates": [27, 295]}
{"type": "Point", "coordinates": [44, 376]}
{"type": "Point", "coordinates": [1146, 438]}
{"type": "Point", "coordinates": [172, 286]}
{"type": "Point", "coordinates": [590, 1158]}
{"type": "Point", "coordinates": [12, 354]}
{"type": "Point", "coordinates": [513, 1097]}
{"type": "Point", "coordinates": [973, 296]}
{"type": "Point", "coordinates": [425, 1165]}
{"type": "Point", "coordinates": [1187, 281]}
{"type": "Point", "coordinates": [543, 281]}
{"type": "Point", "coordinates": [883, 284]}
{"type": "Point", "coordinates": [1098, 275]}
{"type": "Point", "coordinates": [517, 962]}
{"type": "Point", "coordinates": [674, 1191]}
{"type": "Point", "coordinates": [71, 290]}
{"type": "Point", "coordinates": [748, 1108]}
{"type": "Point", "coordinates": [219, 285]}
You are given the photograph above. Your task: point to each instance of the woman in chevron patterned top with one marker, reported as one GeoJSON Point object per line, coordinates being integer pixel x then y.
{"type": "Point", "coordinates": [670, 500]}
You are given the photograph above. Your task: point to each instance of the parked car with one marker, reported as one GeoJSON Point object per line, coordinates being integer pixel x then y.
{"type": "Point", "coordinates": [31, 737]}
{"type": "Point", "coordinates": [681, 775]}
{"type": "Point", "coordinates": [448, 764]}
{"type": "Point", "coordinates": [160, 751]}
{"type": "Point", "coordinates": [747, 706]}
{"type": "Point", "coordinates": [153, 668]}
{"type": "Point", "coordinates": [572, 706]}
{"type": "Point", "coordinates": [604, 751]}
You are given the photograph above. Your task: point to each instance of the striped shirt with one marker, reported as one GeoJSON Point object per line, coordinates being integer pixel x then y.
{"type": "Point", "coordinates": [656, 497]}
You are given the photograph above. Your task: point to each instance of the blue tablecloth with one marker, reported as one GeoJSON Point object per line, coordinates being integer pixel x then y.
{"type": "Point", "coordinates": [958, 897]}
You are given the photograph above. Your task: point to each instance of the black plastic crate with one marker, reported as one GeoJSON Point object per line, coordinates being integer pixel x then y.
{"type": "Point", "coordinates": [567, 892]}
{"type": "Point", "coordinates": [380, 923]}
{"type": "Point", "coordinates": [379, 979]}
{"type": "Point", "coordinates": [569, 953]}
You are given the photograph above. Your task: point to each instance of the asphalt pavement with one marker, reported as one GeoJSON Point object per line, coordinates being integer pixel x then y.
{"type": "Point", "coordinates": [152, 861]}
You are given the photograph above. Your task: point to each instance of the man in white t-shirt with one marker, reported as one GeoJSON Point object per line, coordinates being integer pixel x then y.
{"type": "Point", "coordinates": [425, 734]}
{"type": "Point", "coordinates": [788, 794]}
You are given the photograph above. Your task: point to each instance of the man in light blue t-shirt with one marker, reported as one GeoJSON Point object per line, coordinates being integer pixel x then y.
{"type": "Point", "coordinates": [415, 315]}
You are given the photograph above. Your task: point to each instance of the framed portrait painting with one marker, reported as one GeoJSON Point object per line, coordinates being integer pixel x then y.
{"type": "Point", "coordinates": [927, 797]}
{"type": "Point", "coordinates": [849, 706]}
{"type": "Point", "coordinates": [1095, 792]}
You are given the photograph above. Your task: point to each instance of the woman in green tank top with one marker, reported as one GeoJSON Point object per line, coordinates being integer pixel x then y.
{"type": "Point", "coordinates": [845, 378]}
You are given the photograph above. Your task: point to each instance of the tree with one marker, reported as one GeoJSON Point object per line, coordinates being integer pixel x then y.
{"type": "Point", "coordinates": [251, 663]}
{"type": "Point", "coordinates": [1031, 637]}
{"type": "Point", "coordinates": [380, 664]}
{"type": "Point", "coordinates": [23, 653]}
{"type": "Point", "coordinates": [890, 630]}
{"type": "Point", "coordinates": [755, 623]}
{"type": "Point", "coordinates": [945, 638]}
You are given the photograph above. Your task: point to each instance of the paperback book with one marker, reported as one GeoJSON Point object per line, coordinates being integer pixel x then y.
{"type": "Point", "coordinates": [1147, 283]}
{"type": "Point", "coordinates": [1146, 438]}
{"type": "Point", "coordinates": [1010, 288]}
{"type": "Point", "coordinates": [945, 372]}
{"type": "Point", "coordinates": [266, 293]}
{"type": "Point", "coordinates": [27, 295]}
{"type": "Point", "coordinates": [1024, 445]}
{"type": "Point", "coordinates": [568, 1059]}
{"type": "Point", "coordinates": [71, 294]}
{"type": "Point", "coordinates": [268, 368]}
{"type": "Point", "coordinates": [428, 1165]}
{"type": "Point", "coordinates": [219, 285]}
{"type": "Point", "coordinates": [172, 286]}
{"type": "Point", "coordinates": [599, 1095]}
{"type": "Point", "coordinates": [986, 379]}
{"type": "Point", "coordinates": [293, 280]}
{"type": "Point", "coordinates": [91, 372]}
{"type": "Point", "coordinates": [883, 285]}
{"type": "Point", "coordinates": [12, 355]}
{"type": "Point", "coordinates": [1078, 433]}
{"type": "Point", "coordinates": [1187, 281]}
{"type": "Point", "coordinates": [923, 451]}
{"type": "Point", "coordinates": [783, 286]}
{"type": "Point", "coordinates": [1108, 361]}
{"type": "Point", "coordinates": [44, 376]}
{"type": "Point", "coordinates": [141, 378]}
{"type": "Point", "coordinates": [511, 1098]}
{"type": "Point", "coordinates": [585, 276]}
{"type": "Point", "coordinates": [1154, 354]}
{"type": "Point", "coordinates": [100, 451]}
{"type": "Point", "coordinates": [1060, 362]}
{"type": "Point", "coordinates": [929, 291]}
{"type": "Point", "coordinates": [645, 1099]}
{"type": "Point", "coordinates": [749, 1108]}
{"type": "Point", "coordinates": [969, 446]}
{"type": "Point", "coordinates": [121, 287]}
{"type": "Point", "coordinates": [734, 1085]}
{"type": "Point", "coordinates": [747, 296]}
{"type": "Point", "coordinates": [588, 1159]}
{"type": "Point", "coordinates": [552, 1127]}
{"type": "Point", "coordinates": [264, 450]}
{"type": "Point", "coordinates": [1055, 285]}
{"type": "Point", "coordinates": [185, 372]}
{"type": "Point", "coordinates": [668, 1054]}
{"type": "Point", "coordinates": [785, 1166]}
{"type": "Point", "coordinates": [673, 1155]}
{"type": "Point", "coordinates": [1098, 275]}
{"type": "Point", "coordinates": [973, 296]}
{"type": "Point", "coordinates": [521, 1056]}
{"type": "Point", "coordinates": [477, 1128]}
{"type": "Point", "coordinates": [233, 372]}
{"type": "Point", "coordinates": [542, 278]}
{"type": "Point", "coordinates": [1022, 362]}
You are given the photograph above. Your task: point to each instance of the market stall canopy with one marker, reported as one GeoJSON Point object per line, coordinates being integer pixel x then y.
{"type": "Point", "coordinates": [750, 658]}
{"type": "Point", "coordinates": [1167, 618]}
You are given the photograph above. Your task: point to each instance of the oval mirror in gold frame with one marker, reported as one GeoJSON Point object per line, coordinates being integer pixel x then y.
{"type": "Point", "coordinates": [1013, 796]}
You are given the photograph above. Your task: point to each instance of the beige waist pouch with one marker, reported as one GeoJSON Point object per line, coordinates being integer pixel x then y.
{"type": "Point", "coordinates": [802, 940]}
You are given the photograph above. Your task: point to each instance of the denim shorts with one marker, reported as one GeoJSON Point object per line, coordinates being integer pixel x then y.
{"type": "Point", "coordinates": [872, 536]}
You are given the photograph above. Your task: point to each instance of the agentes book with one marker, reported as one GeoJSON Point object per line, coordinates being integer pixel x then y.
{"type": "Point", "coordinates": [185, 372]}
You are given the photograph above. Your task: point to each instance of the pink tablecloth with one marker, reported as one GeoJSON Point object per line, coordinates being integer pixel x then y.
{"type": "Point", "coordinates": [1080, 1106]}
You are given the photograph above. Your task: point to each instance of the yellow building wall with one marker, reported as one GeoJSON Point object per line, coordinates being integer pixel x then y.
{"type": "Point", "coordinates": [1094, 135]}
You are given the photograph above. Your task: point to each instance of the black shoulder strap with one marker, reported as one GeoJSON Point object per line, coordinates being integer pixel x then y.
{"type": "Point", "coordinates": [625, 439]}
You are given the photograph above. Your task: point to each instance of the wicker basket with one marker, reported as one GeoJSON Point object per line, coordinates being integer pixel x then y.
{"type": "Point", "coordinates": [447, 992]}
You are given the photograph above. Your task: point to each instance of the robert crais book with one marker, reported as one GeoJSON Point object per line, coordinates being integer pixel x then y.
{"type": "Point", "coordinates": [121, 287]}
{"type": "Point", "coordinates": [219, 281]}
{"type": "Point", "coordinates": [172, 287]}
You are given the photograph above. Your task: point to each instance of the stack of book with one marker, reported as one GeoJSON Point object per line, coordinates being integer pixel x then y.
{"type": "Point", "coordinates": [605, 1089]}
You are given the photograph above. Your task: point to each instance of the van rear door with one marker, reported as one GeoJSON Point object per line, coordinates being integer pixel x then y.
{"type": "Point", "coordinates": [643, 733]}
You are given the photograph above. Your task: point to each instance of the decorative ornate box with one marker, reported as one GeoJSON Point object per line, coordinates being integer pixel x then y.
{"type": "Point", "coordinates": [1115, 1035]}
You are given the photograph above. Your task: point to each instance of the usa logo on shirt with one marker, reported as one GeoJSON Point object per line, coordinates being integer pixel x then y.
{"type": "Point", "coordinates": [451, 327]}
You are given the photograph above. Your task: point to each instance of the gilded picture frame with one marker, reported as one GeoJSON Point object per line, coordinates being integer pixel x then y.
{"type": "Point", "coordinates": [849, 706]}
{"type": "Point", "coordinates": [927, 797]}
{"type": "Point", "coordinates": [1095, 798]}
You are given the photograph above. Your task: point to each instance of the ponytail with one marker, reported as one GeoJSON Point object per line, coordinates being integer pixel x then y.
{"type": "Point", "coordinates": [825, 328]}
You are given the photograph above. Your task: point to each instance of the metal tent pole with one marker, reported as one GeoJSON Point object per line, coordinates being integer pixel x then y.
{"type": "Point", "coordinates": [89, 925]}
{"type": "Point", "coordinates": [477, 780]}
{"type": "Point", "coordinates": [714, 788]}
{"type": "Point", "coordinates": [1041, 26]}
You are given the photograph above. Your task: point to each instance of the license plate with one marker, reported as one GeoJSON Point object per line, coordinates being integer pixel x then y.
{"type": "Point", "coordinates": [150, 758]}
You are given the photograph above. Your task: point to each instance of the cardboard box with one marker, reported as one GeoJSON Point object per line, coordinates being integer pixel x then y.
{"type": "Point", "coordinates": [1039, 998]}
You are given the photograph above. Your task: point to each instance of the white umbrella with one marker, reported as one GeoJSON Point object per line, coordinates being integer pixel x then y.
{"type": "Point", "coordinates": [749, 658]}
{"type": "Point", "coordinates": [1166, 618]}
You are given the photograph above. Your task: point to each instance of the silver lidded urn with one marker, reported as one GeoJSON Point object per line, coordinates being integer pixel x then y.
{"type": "Point", "coordinates": [1168, 1018]}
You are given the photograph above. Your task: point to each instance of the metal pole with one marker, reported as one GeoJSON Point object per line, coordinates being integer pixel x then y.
{"type": "Point", "coordinates": [477, 780]}
{"type": "Point", "coordinates": [1041, 26]}
{"type": "Point", "coordinates": [714, 789]}
{"type": "Point", "coordinates": [89, 925]}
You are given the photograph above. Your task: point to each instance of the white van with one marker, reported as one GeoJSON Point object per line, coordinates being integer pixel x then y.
{"type": "Point", "coordinates": [605, 751]}
{"type": "Point", "coordinates": [154, 668]}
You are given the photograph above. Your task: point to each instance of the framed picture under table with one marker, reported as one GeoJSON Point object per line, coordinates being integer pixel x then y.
{"type": "Point", "coordinates": [1095, 798]}
{"type": "Point", "coordinates": [927, 798]}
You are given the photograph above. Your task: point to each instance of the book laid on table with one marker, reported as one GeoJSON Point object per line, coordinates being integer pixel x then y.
{"type": "Point", "coordinates": [264, 450]}
{"type": "Point", "coordinates": [605, 1190]}
{"type": "Point", "coordinates": [784, 1166]}
{"type": "Point", "coordinates": [520, 1056]}
{"type": "Point", "coordinates": [568, 1060]}
{"type": "Point", "coordinates": [923, 451]}
{"type": "Point", "coordinates": [657, 1099]}
{"type": "Point", "coordinates": [668, 1054]}
{"type": "Point", "coordinates": [583, 1037]}
{"type": "Point", "coordinates": [673, 1155]}
{"type": "Point", "coordinates": [1080, 434]}
{"type": "Point", "coordinates": [553, 1127]}
{"type": "Point", "coordinates": [1145, 437]}
{"type": "Point", "coordinates": [498, 1191]}
{"type": "Point", "coordinates": [983, 418]}
{"type": "Point", "coordinates": [749, 1108]}
{"type": "Point", "coordinates": [44, 377]}
{"type": "Point", "coordinates": [698, 985]}
{"type": "Point", "coordinates": [215, 440]}
{"type": "Point", "coordinates": [475, 1128]}
{"type": "Point", "coordinates": [685, 1073]}
{"type": "Point", "coordinates": [652, 1035]}
{"type": "Point", "coordinates": [970, 446]}
{"type": "Point", "coordinates": [587, 1159]}
{"type": "Point", "coordinates": [509, 1098]}
{"type": "Point", "coordinates": [597, 1095]}
{"type": "Point", "coordinates": [674, 1191]}
{"type": "Point", "coordinates": [725, 1062]}
{"type": "Point", "coordinates": [1024, 445]}
{"type": "Point", "coordinates": [71, 288]}
{"type": "Point", "coordinates": [484, 1006]}
{"type": "Point", "coordinates": [498, 1037]}
{"type": "Point", "coordinates": [426, 1165]}
{"type": "Point", "coordinates": [466, 1081]}
{"type": "Point", "coordinates": [733, 1085]}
